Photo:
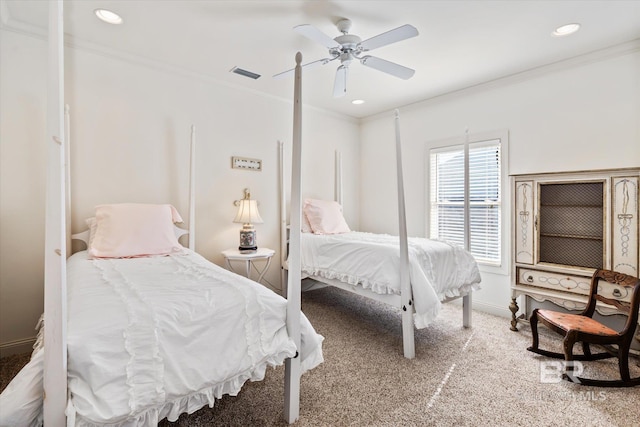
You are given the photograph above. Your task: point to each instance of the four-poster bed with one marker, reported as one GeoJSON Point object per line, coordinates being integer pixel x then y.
{"type": "Point", "coordinates": [147, 335]}
{"type": "Point", "coordinates": [412, 274]}
{"type": "Point", "coordinates": [154, 330]}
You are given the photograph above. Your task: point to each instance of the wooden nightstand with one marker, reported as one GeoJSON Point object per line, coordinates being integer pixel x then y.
{"type": "Point", "coordinates": [262, 254]}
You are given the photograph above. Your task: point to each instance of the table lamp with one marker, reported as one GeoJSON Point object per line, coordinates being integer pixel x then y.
{"type": "Point", "coordinates": [247, 215]}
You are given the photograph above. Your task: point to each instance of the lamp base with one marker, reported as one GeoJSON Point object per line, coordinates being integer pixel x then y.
{"type": "Point", "coordinates": [247, 240]}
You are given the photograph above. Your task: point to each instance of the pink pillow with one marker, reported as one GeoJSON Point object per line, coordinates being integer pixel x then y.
{"type": "Point", "coordinates": [305, 227]}
{"type": "Point", "coordinates": [91, 223]}
{"type": "Point", "coordinates": [132, 230]}
{"type": "Point", "coordinates": [325, 217]}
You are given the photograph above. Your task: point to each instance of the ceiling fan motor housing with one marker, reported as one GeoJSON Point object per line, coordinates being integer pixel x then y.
{"type": "Point", "coordinates": [348, 48]}
{"type": "Point", "coordinates": [348, 43]}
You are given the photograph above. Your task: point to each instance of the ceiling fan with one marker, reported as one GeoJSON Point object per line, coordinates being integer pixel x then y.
{"type": "Point", "coordinates": [348, 47]}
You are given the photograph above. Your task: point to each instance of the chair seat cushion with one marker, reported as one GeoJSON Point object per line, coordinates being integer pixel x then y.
{"type": "Point", "coordinates": [576, 322]}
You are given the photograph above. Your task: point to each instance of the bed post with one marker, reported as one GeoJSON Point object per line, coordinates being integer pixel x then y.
{"type": "Point", "coordinates": [292, 365]}
{"type": "Point", "coordinates": [192, 190]}
{"type": "Point", "coordinates": [338, 179]}
{"type": "Point", "coordinates": [466, 300]}
{"type": "Point", "coordinates": [283, 220]}
{"type": "Point", "coordinates": [408, 339]}
{"type": "Point", "coordinates": [67, 177]}
{"type": "Point", "coordinates": [55, 292]}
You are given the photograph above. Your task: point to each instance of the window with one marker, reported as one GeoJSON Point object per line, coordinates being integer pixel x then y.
{"type": "Point", "coordinates": [447, 196]}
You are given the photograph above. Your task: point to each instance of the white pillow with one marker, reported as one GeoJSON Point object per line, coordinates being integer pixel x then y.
{"type": "Point", "coordinates": [132, 230]}
{"type": "Point", "coordinates": [325, 217]}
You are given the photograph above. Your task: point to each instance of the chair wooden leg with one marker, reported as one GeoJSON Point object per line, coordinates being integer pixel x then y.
{"type": "Point", "coordinates": [586, 349]}
{"type": "Point", "coordinates": [567, 345]}
{"type": "Point", "coordinates": [533, 322]}
{"type": "Point", "coordinates": [623, 364]}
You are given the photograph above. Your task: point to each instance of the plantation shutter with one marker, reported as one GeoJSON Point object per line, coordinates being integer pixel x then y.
{"type": "Point", "coordinates": [448, 195]}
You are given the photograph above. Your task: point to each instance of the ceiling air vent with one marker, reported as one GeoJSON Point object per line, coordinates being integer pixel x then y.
{"type": "Point", "coordinates": [245, 73]}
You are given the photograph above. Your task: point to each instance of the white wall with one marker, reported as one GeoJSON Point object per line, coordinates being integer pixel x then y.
{"type": "Point", "coordinates": [581, 115]}
{"type": "Point", "coordinates": [130, 143]}
{"type": "Point", "coordinates": [22, 187]}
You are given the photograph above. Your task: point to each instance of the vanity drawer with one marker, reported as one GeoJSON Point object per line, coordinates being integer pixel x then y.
{"type": "Point", "coordinates": [569, 283]}
{"type": "Point", "coordinates": [557, 282]}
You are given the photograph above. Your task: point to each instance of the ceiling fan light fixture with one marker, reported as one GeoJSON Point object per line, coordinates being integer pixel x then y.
{"type": "Point", "coordinates": [565, 30]}
{"type": "Point", "coordinates": [108, 16]}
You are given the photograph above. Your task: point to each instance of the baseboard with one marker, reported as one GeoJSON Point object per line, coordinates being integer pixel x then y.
{"type": "Point", "coordinates": [496, 310]}
{"type": "Point", "coordinates": [17, 347]}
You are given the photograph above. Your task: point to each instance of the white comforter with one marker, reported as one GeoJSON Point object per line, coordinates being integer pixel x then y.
{"type": "Point", "coordinates": [438, 270]}
{"type": "Point", "coordinates": [150, 338]}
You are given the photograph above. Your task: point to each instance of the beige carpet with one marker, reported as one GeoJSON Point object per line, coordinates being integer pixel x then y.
{"type": "Point", "coordinates": [461, 377]}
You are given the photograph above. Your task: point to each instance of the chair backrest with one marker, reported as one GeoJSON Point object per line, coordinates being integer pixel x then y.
{"type": "Point", "coordinates": [622, 292]}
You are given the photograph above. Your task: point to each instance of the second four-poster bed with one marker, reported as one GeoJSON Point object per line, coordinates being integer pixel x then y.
{"type": "Point", "coordinates": [415, 275]}
{"type": "Point", "coordinates": [139, 377]}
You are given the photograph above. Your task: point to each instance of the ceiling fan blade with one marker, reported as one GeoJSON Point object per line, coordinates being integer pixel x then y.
{"type": "Point", "coordinates": [340, 84]}
{"type": "Point", "coordinates": [387, 67]}
{"type": "Point", "coordinates": [307, 66]}
{"type": "Point", "coordinates": [401, 33]}
{"type": "Point", "coordinates": [316, 35]}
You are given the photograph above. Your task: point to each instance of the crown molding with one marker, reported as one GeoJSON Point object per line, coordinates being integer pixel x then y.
{"type": "Point", "coordinates": [599, 55]}
{"type": "Point", "coordinates": [9, 24]}
{"type": "Point", "coordinates": [156, 65]}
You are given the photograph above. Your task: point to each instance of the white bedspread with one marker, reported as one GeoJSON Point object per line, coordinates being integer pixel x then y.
{"type": "Point", "coordinates": [438, 270]}
{"type": "Point", "coordinates": [150, 338]}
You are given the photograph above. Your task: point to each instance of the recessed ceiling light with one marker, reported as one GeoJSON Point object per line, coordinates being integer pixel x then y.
{"type": "Point", "coordinates": [357, 101]}
{"type": "Point", "coordinates": [108, 16]}
{"type": "Point", "coordinates": [565, 30]}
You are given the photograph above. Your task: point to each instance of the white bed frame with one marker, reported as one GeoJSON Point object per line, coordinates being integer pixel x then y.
{"type": "Point", "coordinates": [404, 301]}
{"type": "Point", "coordinates": [58, 238]}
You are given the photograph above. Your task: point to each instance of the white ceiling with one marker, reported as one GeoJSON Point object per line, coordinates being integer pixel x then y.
{"type": "Point", "coordinates": [461, 43]}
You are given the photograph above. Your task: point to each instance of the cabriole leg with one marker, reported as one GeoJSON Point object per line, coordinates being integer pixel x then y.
{"type": "Point", "coordinates": [514, 309]}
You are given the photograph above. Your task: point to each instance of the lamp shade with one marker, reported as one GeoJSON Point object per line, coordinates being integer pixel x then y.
{"type": "Point", "coordinates": [248, 212]}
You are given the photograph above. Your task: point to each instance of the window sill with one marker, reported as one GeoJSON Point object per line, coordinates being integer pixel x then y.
{"type": "Point", "coordinates": [500, 270]}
